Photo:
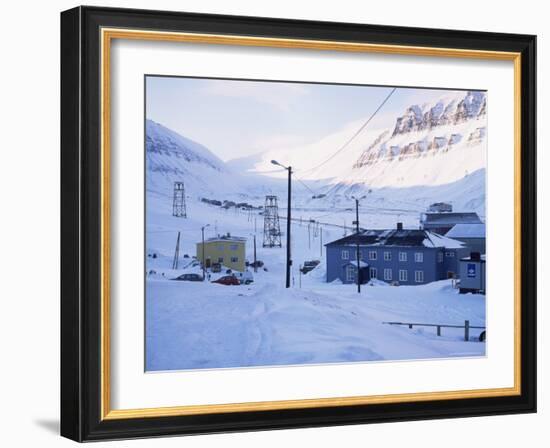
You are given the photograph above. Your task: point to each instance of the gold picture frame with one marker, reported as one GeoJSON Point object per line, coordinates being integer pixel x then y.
{"type": "Point", "coordinates": [106, 32]}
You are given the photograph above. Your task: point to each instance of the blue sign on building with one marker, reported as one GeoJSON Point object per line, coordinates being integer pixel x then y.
{"type": "Point", "coordinates": [471, 269]}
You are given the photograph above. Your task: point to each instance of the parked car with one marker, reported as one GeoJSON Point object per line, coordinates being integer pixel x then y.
{"type": "Point", "coordinates": [190, 278]}
{"type": "Point", "coordinates": [309, 266]}
{"type": "Point", "coordinates": [246, 278]}
{"type": "Point", "coordinates": [256, 264]}
{"type": "Point", "coordinates": [227, 280]}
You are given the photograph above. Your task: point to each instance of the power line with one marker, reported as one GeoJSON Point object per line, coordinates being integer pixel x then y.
{"type": "Point", "coordinates": [305, 185]}
{"type": "Point", "coordinates": [344, 146]}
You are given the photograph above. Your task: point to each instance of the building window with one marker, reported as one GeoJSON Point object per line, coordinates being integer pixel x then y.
{"type": "Point", "coordinates": [387, 274]}
{"type": "Point", "coordinates": [449, 254]}
{"type": "Point", "coordinates": [402, 256]}
{"type": "Point", "coordinates": [419, 276]}
{"type": "Point", "coordinates": [440, 257]}
{"type": "Point", "coordinates": [234, 247]}
{"type": "Point", "coordinates": [234, 259]}
{"type": "Point", "coordinates": [372, 255]}
{"type": "Point", "coordinates": [345, 255]}
{"type": "Point", "coordinates": [387, 256]}
{"type": "Point", "coordinates": [220, 260]}
{"type": "Point", "coordinates": [402, 275]}
{"type": "Point", "coordinates": [350, 273]}
{"type": "Point", "coordinates": [373, 273]}
{"type": "Point", "coordinates": [418, 257]}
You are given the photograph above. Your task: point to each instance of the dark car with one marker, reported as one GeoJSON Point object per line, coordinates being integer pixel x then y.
{"type": "Point", "coordinates": [309, 266]}
{"type": "Point", "coordinates": [256, 264]}
{"type": "Point", "coordinates": [227, 280]}
{"type": "Point", "coordinates": [189, 278]}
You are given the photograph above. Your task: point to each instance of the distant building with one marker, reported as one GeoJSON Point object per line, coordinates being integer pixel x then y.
{"type": "Point", "coordinates": [472, 273]}
{"type": "Point", "coordinates": [472, 235]}
{"type": "Point", "coordinates": [405, 256]}
{"type": "Point", "coordinates": [443, 222]}
{"type": "Point", "coordinates": [227, 250]}
{"type": "Point", "coordinates": [440, 207]}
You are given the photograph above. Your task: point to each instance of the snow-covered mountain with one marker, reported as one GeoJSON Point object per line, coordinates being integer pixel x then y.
{"type": "Point", "coordinates": [428, 153]}
{"type": "Point", "coordinates": [172, 157]}
{"type": "Point", "coordinates": [429, 144]}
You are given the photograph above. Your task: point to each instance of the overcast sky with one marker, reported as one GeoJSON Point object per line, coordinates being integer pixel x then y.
{"type": "Point", "coordinates": [239, 118]}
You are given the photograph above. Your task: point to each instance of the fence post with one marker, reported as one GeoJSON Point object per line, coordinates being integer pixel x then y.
{"type": "Point", "coordinates": [466, 330]}
{"type": "Point", "coordinates": [439, 330]}
{"type": "Point", "coordinates": [410, 326]}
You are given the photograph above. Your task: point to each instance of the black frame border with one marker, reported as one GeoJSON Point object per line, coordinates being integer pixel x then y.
{"type": "Point", "coordinates": [81, 223]}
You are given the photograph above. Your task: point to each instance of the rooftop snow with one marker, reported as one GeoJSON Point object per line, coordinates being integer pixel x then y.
{"type": "Point", "coordinates": [362, 264]}
{"type": "Point", "coordinates": [467, 231]}
{"type": "Point", "coordinates": [451, 218]}
{"type": "Point", "coordinates": [436, 240]}
{"type": "Point", "coordinates": [222, 238]}
{"type": "Point", "coordinates": [396, 237]}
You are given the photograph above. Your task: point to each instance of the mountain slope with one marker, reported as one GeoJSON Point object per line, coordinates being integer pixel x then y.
{"type": "Point", "coordinates": [430, 144]}
{"type": "Point", "coordinates": [171, 157]}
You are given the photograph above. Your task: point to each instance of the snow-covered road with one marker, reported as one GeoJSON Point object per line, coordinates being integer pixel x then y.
{"type": "Point", "coordinates": [194, 325]}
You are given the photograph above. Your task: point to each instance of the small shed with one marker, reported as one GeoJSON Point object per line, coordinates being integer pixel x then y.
{"type": "Point", "coordinates": [472, 274]}
{"type": "Point", "coordinates": [350, 272]}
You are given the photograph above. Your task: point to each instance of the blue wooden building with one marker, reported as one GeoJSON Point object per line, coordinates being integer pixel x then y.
{"type": "Point", "coordinates": [403, 256]}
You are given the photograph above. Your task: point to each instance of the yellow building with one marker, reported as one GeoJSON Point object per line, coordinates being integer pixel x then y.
{"type": "Point", "coordinates": [229, 251]}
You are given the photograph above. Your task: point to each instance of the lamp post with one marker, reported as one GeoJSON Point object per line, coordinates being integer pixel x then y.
{"type": "Point", "coordinates": [203, 260]}
{"type": "Point", "coordinates": [357, 253]}
{"type": "Point", "coordinates": [288, 218]}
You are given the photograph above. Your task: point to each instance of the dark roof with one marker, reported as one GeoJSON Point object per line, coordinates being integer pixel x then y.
{"type": "Point", "coordinates": [397, 237]}
{"type": "Point", "coordinates": [451, 218]}
{"type": "Point", "coordinates": [365, 237]}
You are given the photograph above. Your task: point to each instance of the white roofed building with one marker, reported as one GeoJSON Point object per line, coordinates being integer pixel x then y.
{"type": "Point", "coordinates": [472, 235]}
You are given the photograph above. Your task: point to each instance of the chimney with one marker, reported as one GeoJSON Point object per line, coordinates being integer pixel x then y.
{"type": "Point", "coordinates": [399, 226]}
{"type": "Point", "coordinates": [475, 256]}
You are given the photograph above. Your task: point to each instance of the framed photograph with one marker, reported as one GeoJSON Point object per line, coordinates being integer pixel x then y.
{"type": "Point", "coordinates": [272, 223]}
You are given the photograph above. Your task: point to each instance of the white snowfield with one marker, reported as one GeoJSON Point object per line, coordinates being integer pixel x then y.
{"type": "Point", "coordinates": [194, 325]}
{"type": "Point", "coordinates": [201, 325]}
{"type": "Point", "coordinates": [191, 325]}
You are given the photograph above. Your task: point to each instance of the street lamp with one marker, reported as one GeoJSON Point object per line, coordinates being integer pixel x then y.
{"type": "Point", "coordinates": [203, 260]}
{"type": "Point", "coordinates": [288, 217]}
{"type": "Point", "coordinates": [357, 256]}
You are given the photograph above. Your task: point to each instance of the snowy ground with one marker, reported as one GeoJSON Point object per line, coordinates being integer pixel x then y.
{"type": "Point", "coordinates": [192, 325]}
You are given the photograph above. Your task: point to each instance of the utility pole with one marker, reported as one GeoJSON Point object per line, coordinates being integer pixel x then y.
{"type": "Point", "coordinates": [321, 241]}
{"type": "Point", "coordinates": [255, 264]}
{"type": "Point", "coordinates": [309, 234]}
{"type": "Point", "coordinates": [357, 244]}
{"type": "Point", "coordinates": [203, 259]}
{"type": "Point", "coordinates": [288, 220]}
{"type": "Point", "coordinates": [176, 253]}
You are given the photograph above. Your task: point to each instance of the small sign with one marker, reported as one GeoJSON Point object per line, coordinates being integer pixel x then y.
{"type": "Point", "coordinates": [471, 270]}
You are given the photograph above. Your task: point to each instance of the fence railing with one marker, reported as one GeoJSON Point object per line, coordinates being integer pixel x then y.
{"type": "Point", "coordinates": [467, 327]}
